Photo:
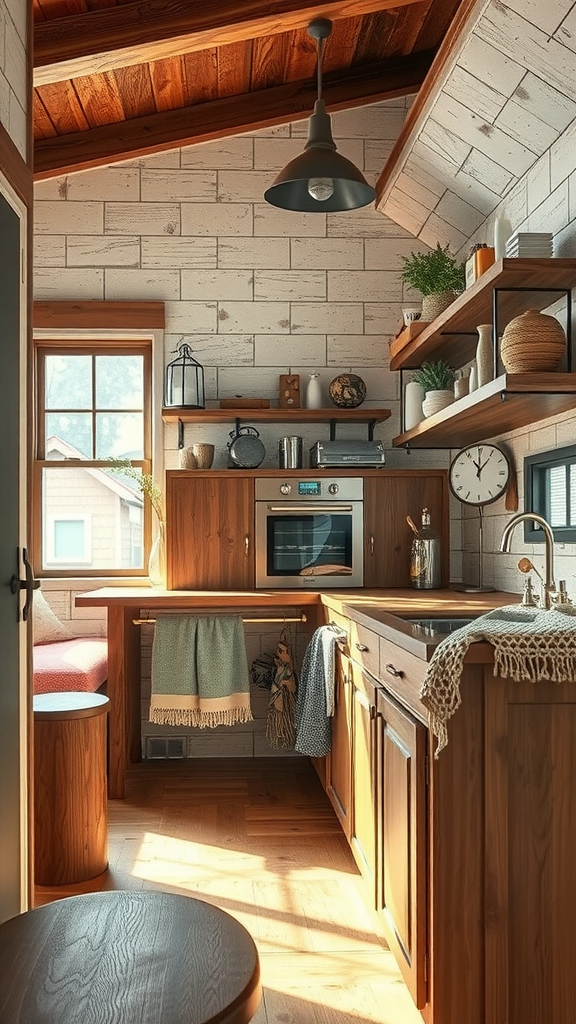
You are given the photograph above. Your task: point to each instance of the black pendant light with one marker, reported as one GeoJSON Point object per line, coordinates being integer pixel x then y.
{"type": "Point", "coordinates": [320, 180]}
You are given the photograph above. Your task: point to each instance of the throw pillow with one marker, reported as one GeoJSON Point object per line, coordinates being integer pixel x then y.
{"type": "Point", "coordinates": [46, 626]}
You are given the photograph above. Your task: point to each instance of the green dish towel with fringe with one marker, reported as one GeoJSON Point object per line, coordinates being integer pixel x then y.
{"type": "Point", "coordinates": [199, 671]}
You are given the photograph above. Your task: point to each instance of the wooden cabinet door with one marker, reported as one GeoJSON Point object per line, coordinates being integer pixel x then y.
{"type": "Point", "coordinates": [210, 533]}
{"type": "Point", "coordinates": [339, 761]}
{"type": "Point", "coordinates": [363, 834]}
{"type": "Point", "coordinates": [388, 499]}
{"type": "Point", "coordinates": [401, 839]}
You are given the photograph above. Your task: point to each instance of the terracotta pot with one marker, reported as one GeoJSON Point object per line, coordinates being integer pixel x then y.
{"type": "Point", "coordinates": [532, 342]}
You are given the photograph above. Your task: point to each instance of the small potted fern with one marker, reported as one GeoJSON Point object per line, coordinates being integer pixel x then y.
{"type": "Point", "coordinates": [437, 275]}
{"type": "Point", "coordinates": [437, 381]}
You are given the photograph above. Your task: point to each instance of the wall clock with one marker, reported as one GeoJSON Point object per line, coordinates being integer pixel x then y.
{"type": "Point", "coordinates": [479, 474]}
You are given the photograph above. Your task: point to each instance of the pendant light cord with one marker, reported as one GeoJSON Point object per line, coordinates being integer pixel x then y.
{"type": "Point", "coordinates": [319, 43]}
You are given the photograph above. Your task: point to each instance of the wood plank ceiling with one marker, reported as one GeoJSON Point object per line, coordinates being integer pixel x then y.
{"type": "Point", "coordinates": [115, 80]}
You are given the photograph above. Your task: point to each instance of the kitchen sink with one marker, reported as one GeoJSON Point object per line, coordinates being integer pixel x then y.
{"type": "Point", "coordinates": [437, 627]}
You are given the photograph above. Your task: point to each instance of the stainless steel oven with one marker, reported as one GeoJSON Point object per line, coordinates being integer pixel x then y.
{"type": "Point", "coordinates": [309, 532]}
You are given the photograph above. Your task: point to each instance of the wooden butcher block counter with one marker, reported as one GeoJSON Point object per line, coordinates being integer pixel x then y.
{"type": "Point", "coordinates": [125, 604]}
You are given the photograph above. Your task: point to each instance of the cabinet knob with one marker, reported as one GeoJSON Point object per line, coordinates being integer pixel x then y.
{"type": "Point", "coordinates": [371, 544]}
{"type": "Point", "coordinates": [361, 647]}
{"type": "Point", "coordinates": [394, 671]}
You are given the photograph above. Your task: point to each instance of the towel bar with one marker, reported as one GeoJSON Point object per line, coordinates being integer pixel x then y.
{"type": "Point", "coordinates": [259, 618]}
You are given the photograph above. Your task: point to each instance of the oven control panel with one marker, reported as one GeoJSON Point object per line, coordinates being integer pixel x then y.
{"type": "Point", "coordinates": [341, 489]}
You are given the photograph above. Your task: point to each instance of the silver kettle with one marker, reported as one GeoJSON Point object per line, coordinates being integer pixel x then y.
{"type": "Point", "coordinates": [425, 555]}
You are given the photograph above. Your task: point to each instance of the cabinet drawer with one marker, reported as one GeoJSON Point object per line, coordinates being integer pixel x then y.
{"type": "Point", "coordinates": [364, 649]}
{"type": "Point", "coordinates": [402, 674]}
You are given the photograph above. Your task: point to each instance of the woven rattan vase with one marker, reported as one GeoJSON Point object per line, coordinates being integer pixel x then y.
{"type": "Point", "coordinates": [433, 305]}
{"type": "Point", "coordinates": [532, 342]}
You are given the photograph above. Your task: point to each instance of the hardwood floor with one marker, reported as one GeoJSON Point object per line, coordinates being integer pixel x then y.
{"type": "Point", "coordinates": [260, 839]}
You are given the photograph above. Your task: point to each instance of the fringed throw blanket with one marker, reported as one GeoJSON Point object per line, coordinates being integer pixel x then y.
{"type": "Point", "coordinates": [199, 671]}
{"type": "Point", "coordinates": [315, 699]}
{"type": "Point", "coordinates": [529, 644]}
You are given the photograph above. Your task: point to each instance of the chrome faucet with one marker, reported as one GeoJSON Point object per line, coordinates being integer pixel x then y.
{"type": "Point", "coordinates": [549, 585]}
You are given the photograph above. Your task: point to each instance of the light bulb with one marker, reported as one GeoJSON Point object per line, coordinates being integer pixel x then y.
{"type": "Point", "coordinates": [321, 188]}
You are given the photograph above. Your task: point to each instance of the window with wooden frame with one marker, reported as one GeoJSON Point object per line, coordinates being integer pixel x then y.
{"type": "Point", "coordinates": [93, 409]}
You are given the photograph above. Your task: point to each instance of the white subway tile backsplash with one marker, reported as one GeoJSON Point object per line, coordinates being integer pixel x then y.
{"type": "Point", "coordinates": [326, 317]}
{"type": "Point", "coordinates": [253, 317]}
{"type": "Point", "coordinates": [108, 184]}
{"type": "Point", "coordinates": [150, 285]}
{"type": "Point", "coordinates": [253, 382]}
{"type": "Point", "coordinates": [216, 219]}
{"type": "Point", "coordinates": [223, 349]}
{"type": "Point", "coordinates": [273, 154]}
{"type": "Point", "coordinates": [62, 218]}
{"type": "Point", "coordinates": [175, 251]}
{"type": "Point", "coordinates": [232, 152]}
{"type": "Point", "coordinates": [276, 285]}
{"type": "Point", "coordinates": [382, 318]}
{"type": "Point", "coordinates": [387, 253]}
{"type": "Point", "coordinates": [218, 284]}
{"type": "Point", "coordinates": [153, 218]}
{"type": "Point", "coordinates": [270, 220]}
{"type": "Point", "coordinates": [376, 153]}
{"type": "Point", "coordinates": [192, 317]}
{"type": "Point", "coordinates": [371, 350]}
{"type": "Point", "coordinates": [74, 284]}
{"type": "Point", "coordinates": [298, 349]}
{"type": "Point", "coordinates": [326, 253]}
{"type": "Point", "coordinates": [169, 186]}
{"type": "Point", "coordinates": [243, 186]}
{"type": "Point", "coordinates": [86, 250]}
{"type": "Point", "coordinates": [50, 250]}
{"type": "Point", "coordinates": [364, 286]}
{"type": "Point", "coordinates": [265, 253]}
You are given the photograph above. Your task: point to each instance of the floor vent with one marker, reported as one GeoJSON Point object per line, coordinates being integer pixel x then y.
{"type": "Point", "coordinates": [165, 747]}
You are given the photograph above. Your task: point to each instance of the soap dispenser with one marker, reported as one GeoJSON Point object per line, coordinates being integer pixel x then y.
{"type": "Point", "coordinates": [425, 557]}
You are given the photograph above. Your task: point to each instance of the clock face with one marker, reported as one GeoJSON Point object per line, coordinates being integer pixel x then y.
{"type": "Point", "coordinates": [479, 474]}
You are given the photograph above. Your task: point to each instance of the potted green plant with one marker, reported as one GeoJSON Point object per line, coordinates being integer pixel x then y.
{"type": "Point", "coordinates": [438, 275]}
{"type": "Point", "coordinates": [437, 381]}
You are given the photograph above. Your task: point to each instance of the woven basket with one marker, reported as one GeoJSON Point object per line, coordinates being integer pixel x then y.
{"type": "Point", "coordinates": [532, 342]}
{"type": "Point", "coordinates": [433, 305]}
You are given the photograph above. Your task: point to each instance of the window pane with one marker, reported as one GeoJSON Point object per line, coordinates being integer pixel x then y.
{"type": "Point", "coordinates": [119, 382]}
{"type": "Point", "coordinates": [557, 495]}
{"type": "Point", "coordinates": [120, 435]}
{"type": "Point", "coordinates": [111, 514]}
{"type": "Point", "coordinates": [69, 539]}
{"type": "Point", "coordinates": [68, 382]}
{"type": "Point", "coordinates": [573, 494]}
{"type": "Point", "coordinates": [68, 435]}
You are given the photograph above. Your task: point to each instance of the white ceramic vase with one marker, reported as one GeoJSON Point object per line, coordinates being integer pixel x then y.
{"type": "Point", "coordinates": [436, 400]}
{"type": "Point", "coordinates": [473, 378]}
{"type": "Point", "coordinates": [314, 392]}
{"type": "Point", "coordinates": [502, 232]}
{"type": "Point", "coordinates": [157, 558]}
{"type": "Point", "coordinates": [413, 398]}
{"type": "Point", "coordinates": [484, 355]}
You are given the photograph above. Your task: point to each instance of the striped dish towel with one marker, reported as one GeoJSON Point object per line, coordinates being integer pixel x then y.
{"type": "Point", "coordinates": [199, 671]}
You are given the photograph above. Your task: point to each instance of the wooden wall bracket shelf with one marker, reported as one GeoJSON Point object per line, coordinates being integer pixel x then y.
{"type": "Point", "coordinates": [511, 401]}
{"type": "Point", "coordinates": [332, 416]}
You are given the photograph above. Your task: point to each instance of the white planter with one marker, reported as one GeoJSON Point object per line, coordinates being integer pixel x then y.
{"type": "Point", "coordinates": [435, 401]}
{"type": "Point", "coordinates": [414, 396]}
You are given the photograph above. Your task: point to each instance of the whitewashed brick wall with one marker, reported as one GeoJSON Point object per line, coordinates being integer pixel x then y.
{"type": "Point", "coordinates": [543, 200]}
{"type": "Point", "coordinates": [13, 79]}
{"type": "Point", "coordinates": [255, 290]}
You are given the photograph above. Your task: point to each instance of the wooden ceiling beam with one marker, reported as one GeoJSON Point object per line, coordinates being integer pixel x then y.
{"type": "Point", "coordinates": [215, 120]}
{"type": "Point", "coordinates": [149, 30]}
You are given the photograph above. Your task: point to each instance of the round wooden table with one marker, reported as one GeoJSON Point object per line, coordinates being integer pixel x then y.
{"type": "Point", "coordinates": [127, 958]}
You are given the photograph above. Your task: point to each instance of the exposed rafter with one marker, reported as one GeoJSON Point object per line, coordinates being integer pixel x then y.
{"type": "Point", "coordinates": [229, 116]}
{"type": "Point", "coordinates": [150, 30]}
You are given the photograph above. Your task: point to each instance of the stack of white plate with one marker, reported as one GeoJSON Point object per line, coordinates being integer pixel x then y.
{"type": "Point", "coordinates": [530, 244]}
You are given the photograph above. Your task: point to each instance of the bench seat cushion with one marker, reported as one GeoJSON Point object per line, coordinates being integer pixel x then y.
{"type": "Point", "coordinates": [78, 664]}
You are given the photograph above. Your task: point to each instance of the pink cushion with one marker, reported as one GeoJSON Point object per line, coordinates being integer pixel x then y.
{"type": "Point", "coordinates": [79, 664]}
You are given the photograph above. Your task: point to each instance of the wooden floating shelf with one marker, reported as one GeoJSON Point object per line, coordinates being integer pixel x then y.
{"type": "Point", "coordinates": [361, 415]}
{"type": "Point", "coordinates": [452, 335]}
{"type": "Point", "coordinates": [511, 401]}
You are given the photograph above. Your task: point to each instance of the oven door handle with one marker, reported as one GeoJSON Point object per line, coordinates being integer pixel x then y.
{"type": "Point", "coordinates": [285, 509]}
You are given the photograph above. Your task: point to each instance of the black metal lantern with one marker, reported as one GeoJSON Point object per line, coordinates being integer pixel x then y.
{"type": "Point", "coordinates": [184, 381]}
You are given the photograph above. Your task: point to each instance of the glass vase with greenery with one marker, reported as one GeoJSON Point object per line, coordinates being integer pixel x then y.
{"type": "Point", "coordinates": [149, 488]}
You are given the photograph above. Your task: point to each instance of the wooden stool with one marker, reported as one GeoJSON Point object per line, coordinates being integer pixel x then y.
{"type": "Point", "coordinates": [129, 957]}
{"type": "Point", "coordinates": [70, 819]}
